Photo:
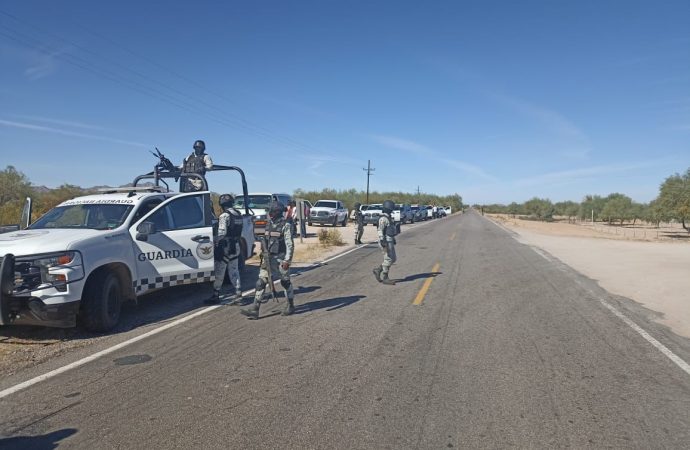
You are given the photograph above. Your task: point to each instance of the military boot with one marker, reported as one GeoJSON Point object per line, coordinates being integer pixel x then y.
{"type": "Point", "coordinates": [386, 280]}
{"type": "Point", "coordinates": [251, 311]}
{"type": "Point", "coordinates": [214, 299]}
{"type": "Point", "coordinates": [289, 307]}
{"type": "Point", "coordinates": [377, 273]}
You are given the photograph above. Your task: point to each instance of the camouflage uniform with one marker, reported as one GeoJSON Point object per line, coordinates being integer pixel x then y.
{"type": "Point", "coordinates": [359, 226]}
{"type": "Point", "coordinates": [386, 232]}
{"type": "Point", "coordinates": [227, 253]}
{"type": "Point", "coordinates": [280, 244]}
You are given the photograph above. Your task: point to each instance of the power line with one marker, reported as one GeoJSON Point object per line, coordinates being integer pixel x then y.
{"type": "Point", "coordinates": [234, 121]}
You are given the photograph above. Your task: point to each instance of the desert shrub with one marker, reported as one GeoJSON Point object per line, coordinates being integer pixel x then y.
{"type": "Point", "coordinates": [330, 237]}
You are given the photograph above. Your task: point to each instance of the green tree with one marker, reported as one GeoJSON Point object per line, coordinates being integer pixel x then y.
{"type": "Point", "coordinates": [14, 188]}
{"type": "Point", "coordinates": [617, 207]}
{"type": "Point", "coordinates": [591, 203]}
{"type": "Point", "coordinates": [674, 197]}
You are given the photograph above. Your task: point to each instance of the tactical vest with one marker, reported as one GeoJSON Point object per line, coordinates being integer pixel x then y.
{"type": "Point", "coordinates": [391, 229]}
{"type": "Point", "coordinates": [195, 164]}
{"type": "Point", "coordinates": [274, 236]}
{"type": "Point", "coordinates": [235, 223]}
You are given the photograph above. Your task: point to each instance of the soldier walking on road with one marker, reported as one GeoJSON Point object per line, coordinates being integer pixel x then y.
{"type": "Point", "coordinates": [359, 223]}
{"type": "Point", "coordinates": [227, 249]}
{"type": "Point", "coordinates": [276, 255]}
{"type": "Point", "coordinates": [387, 232]}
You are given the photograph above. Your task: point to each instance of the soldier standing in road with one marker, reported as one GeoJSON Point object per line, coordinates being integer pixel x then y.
{"type": "Point", "coordinates": [227, 250]}
{"type": "Point", "coordinates": [387, 234]}
{"type": "Point", "coordinates": [197, 162]}
{"type": "Point", "coordinates": [276, 255]}
{"type": "Point", "coordinates": [359, 223]}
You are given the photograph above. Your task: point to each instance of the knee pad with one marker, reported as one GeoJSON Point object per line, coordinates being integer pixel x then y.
{"type": "Point", "coordinates": [260, 284]}
{"type": "Point", "coordinates": [286, 284]}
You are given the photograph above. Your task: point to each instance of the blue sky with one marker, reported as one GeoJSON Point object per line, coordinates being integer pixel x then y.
{"type": "Point", "coordinates": [498, 101]}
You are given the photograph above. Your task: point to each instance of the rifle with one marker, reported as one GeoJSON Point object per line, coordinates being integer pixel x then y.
{"type": "Point", "coordinates": [164, 164]}
{"type": "Point", "coordinates": [266, 257]}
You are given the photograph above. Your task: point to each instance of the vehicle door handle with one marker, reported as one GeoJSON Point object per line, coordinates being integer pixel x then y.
{"type": "Point", "coordinates": [199, 238]}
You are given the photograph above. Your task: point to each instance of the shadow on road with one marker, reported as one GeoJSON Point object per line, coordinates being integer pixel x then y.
{"type": "Point", "coordinates": [329, 304]}
{"type": "Point", "coordinates": [418, 276]}
{"type": "Point", "coordinates": [42, 442]}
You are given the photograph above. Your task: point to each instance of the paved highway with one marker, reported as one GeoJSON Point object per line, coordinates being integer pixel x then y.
{"type": "Point", "coordinates": [483, 343]}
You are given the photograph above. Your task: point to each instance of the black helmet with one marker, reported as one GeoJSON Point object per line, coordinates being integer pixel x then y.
{"type": "Point", "coordinates": [199, 147]}
{"type": "Point", "coordinates": [276, 210]}
{"type": "Point", "coordinates": [388, 206]}
{"type": "Point", "coordinates": [226, 200]}
{"type": "Point", "coordinates": [358, 205]}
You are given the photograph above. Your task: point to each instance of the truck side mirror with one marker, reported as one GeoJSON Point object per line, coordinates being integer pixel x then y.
{"type": "Point", "coordinates": [26, 214]}
{"type": "Point", "coordinates": [144, 230]}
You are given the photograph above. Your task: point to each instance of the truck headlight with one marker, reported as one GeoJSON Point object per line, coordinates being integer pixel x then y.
{"type": "Point", "coordinates": [55, 269]}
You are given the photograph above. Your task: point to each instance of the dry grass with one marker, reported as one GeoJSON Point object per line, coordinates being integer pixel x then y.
{"type": "Point", "coordinates": [330, 238]}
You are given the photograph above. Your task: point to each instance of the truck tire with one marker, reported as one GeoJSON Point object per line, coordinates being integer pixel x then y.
{"type": "Point", "coordinates": [101, 302]}
{"type": "Point", "coordinates": [335, 222]}
{"type": "Point", "coordinates": [344, 222]}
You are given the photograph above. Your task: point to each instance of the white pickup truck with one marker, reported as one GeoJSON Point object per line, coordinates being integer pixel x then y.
{"type": "Point", "coordinates": [86, 256]}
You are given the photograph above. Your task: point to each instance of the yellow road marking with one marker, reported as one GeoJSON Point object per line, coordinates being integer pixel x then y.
{"type": "Point", "coordinates": [425, 287]}
{"type": "Point", "coordinates": [452, 237]}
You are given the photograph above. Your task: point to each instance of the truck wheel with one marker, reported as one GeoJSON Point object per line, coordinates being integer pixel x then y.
{"type": "Point", "coordinates": [101, 302]}
{"type": "Point", "coordinates": [335, 221]}
{"type": "Point", "coordinates": [344, 222]}
{"type": "Point", "coordinates": [310, 224]}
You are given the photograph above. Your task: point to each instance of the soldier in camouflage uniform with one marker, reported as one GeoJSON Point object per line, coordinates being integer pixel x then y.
{"type": "Point", "coordinates": [359, 223]}
{"type": "Point", "coordinates": [387, 232]}
{"type": "Point", "coordinates": [277, 252]}
{"type": "Point", "coordinates": [197, 162]}
{"type": "Point", "coordinates": [227, 249]}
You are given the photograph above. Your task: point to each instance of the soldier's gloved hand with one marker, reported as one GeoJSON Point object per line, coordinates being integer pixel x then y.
{"type": "Point", "coordinates": [382, 243]}
{"type": "Point", "coordinates": [285, 265]}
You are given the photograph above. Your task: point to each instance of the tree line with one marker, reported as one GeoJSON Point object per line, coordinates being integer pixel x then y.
{"type": "Point", "coordinates": [671, 204]}
{"type": "Point", "coordinates": [15, 187]}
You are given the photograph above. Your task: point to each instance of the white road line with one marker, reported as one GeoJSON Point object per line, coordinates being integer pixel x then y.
{"type": "Point", "coordinates": [638, 329]}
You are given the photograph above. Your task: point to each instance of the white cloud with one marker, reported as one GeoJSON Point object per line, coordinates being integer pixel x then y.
{"type": "Point", "coordinates": [422, 150]}
{"type": "Point", "coordinates": [567, 176]}
{"type": "Point", "coordinates": [402, 144]}
{"type": "Point", "coordinates": [33, 127]}
{"type": "Point", "coordinates": [67, 123]}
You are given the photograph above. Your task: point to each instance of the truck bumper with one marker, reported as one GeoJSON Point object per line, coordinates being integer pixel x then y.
{"type": "Point", "coordinates": [27, 310]}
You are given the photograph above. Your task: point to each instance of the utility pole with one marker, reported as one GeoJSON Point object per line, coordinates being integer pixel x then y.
{"type": "Point", "coordinates": [369, 169]}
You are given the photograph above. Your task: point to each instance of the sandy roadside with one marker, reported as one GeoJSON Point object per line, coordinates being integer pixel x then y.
{"type": "Point", "coordinates": [654, 274]}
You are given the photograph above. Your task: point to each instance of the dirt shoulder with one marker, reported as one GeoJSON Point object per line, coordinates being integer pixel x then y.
{"type": "Point", "coordinates": [651, 272]}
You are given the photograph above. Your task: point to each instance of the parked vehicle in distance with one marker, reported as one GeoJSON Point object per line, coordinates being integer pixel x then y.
{"type": "Point", "coordinates": [372, 213]}
{"type": "Point", "coordinates": [329, 212]}
{"type": "Point", "coordinates": [258, 204]}
{"type": "Point", "coordinates": [429, 212]}
{"type": "Point", "coordinates": [418, 213]}
{"type": "Point", "coordinates": [402, 213]}
{"type": "Point", "coordinates": [449, 210]}
{"type": "Point", "coordinates": [441, 212]}
{"type": "Point", "coordinates": [361, 208]}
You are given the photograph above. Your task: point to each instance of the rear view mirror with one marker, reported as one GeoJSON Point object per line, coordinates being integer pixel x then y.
{"type": "Point", "coordinates": [144, 230]}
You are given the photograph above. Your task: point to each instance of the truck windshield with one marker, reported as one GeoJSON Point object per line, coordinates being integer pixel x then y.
{"type": "Point", "coordinates": [255, 201]}
{"type": "Point", "coordinates": [322, 204]}
{"type": "Point", "coordinates": [374, 207]}
{"type": "Point", "coordinates": [93, 216]}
